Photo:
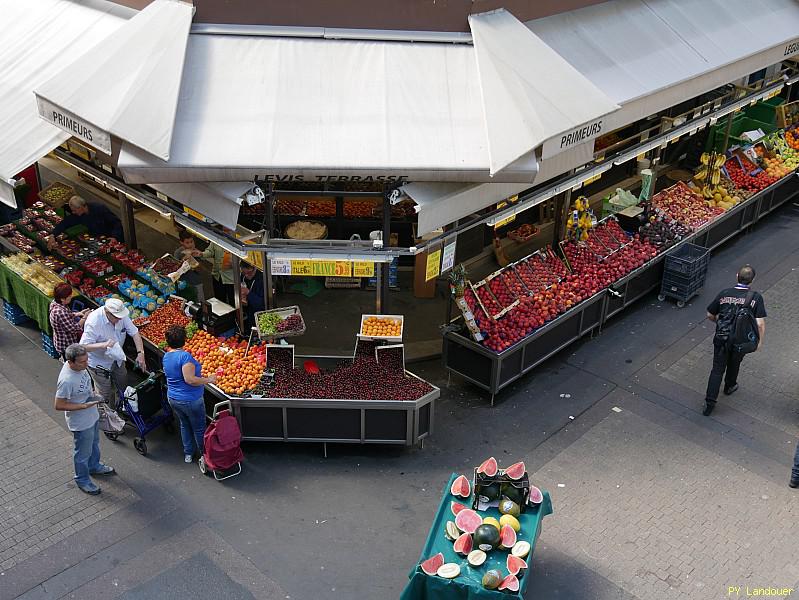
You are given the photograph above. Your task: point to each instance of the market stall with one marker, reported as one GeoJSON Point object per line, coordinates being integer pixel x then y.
{"type": "Point", "coordinates": [482, 542]}
{"type": "Point", "coordinates": [526, 312]}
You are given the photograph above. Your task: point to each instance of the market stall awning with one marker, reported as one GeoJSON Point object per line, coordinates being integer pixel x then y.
{"type": "Point", "coordinates": [530, 93]}
{"type": "Point", "coordinates": [443, 203]}
{"type": "Point", "coordinates": [39, 40]}
{"type": "Point", "coordinates": [649, 55]}
{"type": "Point", "coordinates": [219, 201]}
{"type": "Point", "coordinates": [127, 85]}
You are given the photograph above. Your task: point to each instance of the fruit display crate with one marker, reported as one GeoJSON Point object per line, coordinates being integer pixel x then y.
{"type": "Point", "coordinates": [387, 338]}
{"type": "Point", "coordinates": [394, 422]}
{"type": "Point", "coordinates": [283, 313]}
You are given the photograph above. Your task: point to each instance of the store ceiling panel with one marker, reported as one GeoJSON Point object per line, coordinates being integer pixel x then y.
{"type": "Point", "coordinates": [648, 55]}
{"type": "Point", "coordinates": [39, 40]}
{"type": "Point", "coordinates": [219, 201]}
{"type": "Point", "coordinates": [126, 85]}
{"type": "Point", "coordinates": [445, 202]}
{"type": "Point", "coordinates": [529, 92]}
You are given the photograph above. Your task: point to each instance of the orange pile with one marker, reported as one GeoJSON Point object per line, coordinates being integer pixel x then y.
{"type": "Point", "coordinates": [236, 374]}
{"type": "Point", "coordinates": [382, 327]}
{"type": "Point", "coordinates": [792, 137]}
{"type": "Point", "coordinates": [776, 168]}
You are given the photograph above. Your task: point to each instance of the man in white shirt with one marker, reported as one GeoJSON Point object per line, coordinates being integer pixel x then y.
{"type": "Point", "coordinates": [103, 335]}
{"type": "Point", "coordinates": [75, 396]}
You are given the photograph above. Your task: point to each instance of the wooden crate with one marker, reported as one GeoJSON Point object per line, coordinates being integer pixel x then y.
{"type": "Point", "coordinates": [56, 194]}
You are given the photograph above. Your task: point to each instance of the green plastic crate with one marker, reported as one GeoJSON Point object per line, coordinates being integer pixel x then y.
{"type": "Point", "coordinates": [765, 110]}
{"type": "Point", "coordinates": [715, 141]}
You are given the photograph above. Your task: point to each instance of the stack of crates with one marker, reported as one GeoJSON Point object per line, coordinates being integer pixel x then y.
{"type": "Point", "coordinates": [684, 273]}
{"type": "Point", "coordinates": [48, 346]}
{"type": "Point", "coordinates": [13, 313]}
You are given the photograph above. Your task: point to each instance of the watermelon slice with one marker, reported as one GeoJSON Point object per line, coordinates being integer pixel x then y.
{"type": "Point", "coordinates": [456, 507]}
{"type": "Point", "coordinates": [507, 537]}
{"type": "Point", "coordinates": [536, 496]}
{"type": "Point", "coordinates": [431, 565]}
{"type": "Point", "coordinates": [463, 545]}
{"type": "Point", "coordinates": [515, 564]}
{"type": "Point", "coordinates": [468, 521]}
{"type": "Point", "coordinates": [511, 583]}
{"type": "Point", "coordinates": [516, 471]}
{"type": "Point", "coordinates": [488, 467]}
{"type": "Point", "coordinates": [460, 487]}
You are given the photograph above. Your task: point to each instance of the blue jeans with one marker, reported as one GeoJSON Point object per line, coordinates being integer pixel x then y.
{"type": "Point", "coordinates": [86, 454]}
{"type": "Point", "coordinates": [191, 416]}
{"type": "Point", "coordinates": [795, 470]}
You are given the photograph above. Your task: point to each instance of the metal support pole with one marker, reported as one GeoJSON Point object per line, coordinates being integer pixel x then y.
{"type": "Point", "coordinates": [235, 265]}
{"type": "Point", "coordinates": [128, 223]}
{"type": "Point", "coordinates": [727, 132]}
{"type": "Point", "coordinates": [384, 267]}
{"type": "Point", "coordinates": [270, 299]}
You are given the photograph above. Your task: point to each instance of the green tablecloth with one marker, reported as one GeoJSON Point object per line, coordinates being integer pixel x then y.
{"type": "Point", "coordinates": [468, 586]}
{"type": "Point", "coordinates": [33, 302]}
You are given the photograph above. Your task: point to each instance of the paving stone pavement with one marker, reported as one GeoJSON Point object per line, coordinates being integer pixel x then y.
{"type": "Point", "coordinates": [662, 517]}
{"type": "Point", "coordinates": [40, 503]}
{"type": "Point", "coordinates": [769, 379]}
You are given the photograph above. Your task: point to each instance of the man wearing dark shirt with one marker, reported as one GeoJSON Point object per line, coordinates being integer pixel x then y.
{"type": "Point", "coordinates": [97, 218]}
{"type": "Point", "coordinates": [722, 310]}
{"type": "Point", "coordinates": [252, 292]}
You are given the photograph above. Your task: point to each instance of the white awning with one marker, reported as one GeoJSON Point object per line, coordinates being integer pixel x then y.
{"type": "Point", "coordinates": [39, 40]}
{"type": "Point", "coordinates": [445, 202]}
{"type": "Point", "coordinates": [127, 85]}
{"type": "Point", "coordinates": [219, 201]}
{"type": "Point", "coordinates": [530, 93]}
{"type": "Point", "coordinates": [649, 55]}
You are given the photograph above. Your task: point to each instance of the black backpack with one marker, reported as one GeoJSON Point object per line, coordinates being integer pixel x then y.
{"type": "Point", "coordinates": [744, 335]}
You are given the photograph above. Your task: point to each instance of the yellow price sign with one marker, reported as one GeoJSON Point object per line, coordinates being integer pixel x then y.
{"type": "Point", "coordinates": [255, 258]}
{"type": "Point", "coordinates": [433, 265]}
{"type": "Point", "coordinates": [362, 268]}
{"type": "Point", "coordinates": [302, 267]}
{"type": "Point", "coordinates": [504, 222]}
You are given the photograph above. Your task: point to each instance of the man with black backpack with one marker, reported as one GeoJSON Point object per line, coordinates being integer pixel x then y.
{"type": "Point", "coordinates": [739, 314]}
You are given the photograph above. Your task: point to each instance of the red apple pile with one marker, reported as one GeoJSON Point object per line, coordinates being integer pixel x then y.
{"type": "Point", "coordinates": [474, 307]}
{"type": "Point", "coordinates": [535, 273]}
{"type": "Point", "coordinates": [512, 281]}
{"type": "Point", "coordinates": [501, 292]}
{"type": "Point", "coordinates": [490, 304]}
{"type": "Point", "coordinates": [554, 264]}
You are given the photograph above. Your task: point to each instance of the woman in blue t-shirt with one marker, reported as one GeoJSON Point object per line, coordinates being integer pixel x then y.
{"type": "Point", "coordinates": [185, 391]}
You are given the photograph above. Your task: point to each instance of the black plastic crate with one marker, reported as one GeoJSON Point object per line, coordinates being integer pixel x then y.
{"type": "Point", "coordinates": [14, 314]}
{"type": "Point", "coordinates": [679, 290]}
{"type": "Point", "coordinates": [687, 259]}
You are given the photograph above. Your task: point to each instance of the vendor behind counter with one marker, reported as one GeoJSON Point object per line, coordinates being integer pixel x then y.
{"type": "Point", "coordinates": [96, 217]}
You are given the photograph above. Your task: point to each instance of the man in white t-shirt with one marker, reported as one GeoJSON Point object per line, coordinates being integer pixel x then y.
{"type": "Point", "coordinates": [103, 335]}
{"type": "Point", "coordinates": [75, 396]}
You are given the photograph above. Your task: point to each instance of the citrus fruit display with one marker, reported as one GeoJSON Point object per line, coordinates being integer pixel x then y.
{"type": "Point", "coordinates": [382, 327]}
{"type": "Point", "coordinates": [225, 357]}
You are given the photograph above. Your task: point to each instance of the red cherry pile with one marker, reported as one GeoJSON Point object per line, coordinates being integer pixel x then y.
{"type": "Point", "coordinates": [290, 323]}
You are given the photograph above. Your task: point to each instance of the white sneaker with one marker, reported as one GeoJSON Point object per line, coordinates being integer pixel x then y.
{"type": "Point", "coordinates": [187, 458]}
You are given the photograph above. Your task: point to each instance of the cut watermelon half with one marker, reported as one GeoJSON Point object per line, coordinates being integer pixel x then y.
{"type": "Point", "coordinates": [511, 583]}
{"type": "Point", "coordinates": [536, 496]}
{"type": "Point", "coordinates": [516, 471]}
{"type": "Point", "coordinates": [488, 467]}
{"type": "Point", "coordinates": [468, 521]}
{"type": "Point", "coordinates": [463, 545]}
{"type": "Point", "coordinates": [507, 537]}
{"type": "Point", "coordinates": [461, 487]}
{"type": "Point", "coordinates": [515, 564]}
{"type": "Point", "coordinates": [431, 565]}
{"type": "Point", "coordinates": [456, 507]}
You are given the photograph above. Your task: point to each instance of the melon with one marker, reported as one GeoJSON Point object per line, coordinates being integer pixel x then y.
{"type": "Point", "coordinates": [431, 565]}
{"type": "Point", "coordinates": [507, 537]}
{"type": "Point", "coordinates": [515, 564]}
{"type": "Point", "coordinates": [509, 507]}
{"type": "Point", "coordinates": [492, 521]}
{"type": "Point", "coordinates": [477, 558]}
{"type": "Point", "coordinates": [456, 507]}
{"type": "Point", "coordinates": [468, 520]}
{"type": "Point", "coordinates": [491, 491]}
{"type": "Point", "coordinates": [488, 467]}
{"type": "Point", "coordinates": [463, 545]}
{"type": "Point", "coordinates": [492, 579]}
{"type": "Point", "coordinates": [510, 520]}
{"type": "Point", "coordinates": [536, 496]}
{"type": "Point", "coordinates": [450, 571]}
{"type": "Point", "coordinates": [516, 471]}
{"type": "Point", "coordinates": [521, 549]}
{"type": "Point", "coordinates": [510, 583]}
{"type": "Point", "coordinates": [451, 531]}
{"type": "Point", "coordinates": [511, 491]}
{"type": "Point", "coordinates": [460, 487]}
{"type": "Point", "coordinates": [486, 537]}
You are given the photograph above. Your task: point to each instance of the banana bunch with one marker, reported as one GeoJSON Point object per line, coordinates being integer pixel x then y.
{"type": "Point", "coordinates": [709, 174]}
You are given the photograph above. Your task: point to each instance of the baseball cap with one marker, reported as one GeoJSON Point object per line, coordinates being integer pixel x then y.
{"type": "Point", "coordinates": [117, 308]}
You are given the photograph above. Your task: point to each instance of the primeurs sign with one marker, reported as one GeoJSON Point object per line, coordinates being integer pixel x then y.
{"type": "Point", "coordinates": [572, 138]}
{"type": "Point", "coordinates": [74, 125]}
